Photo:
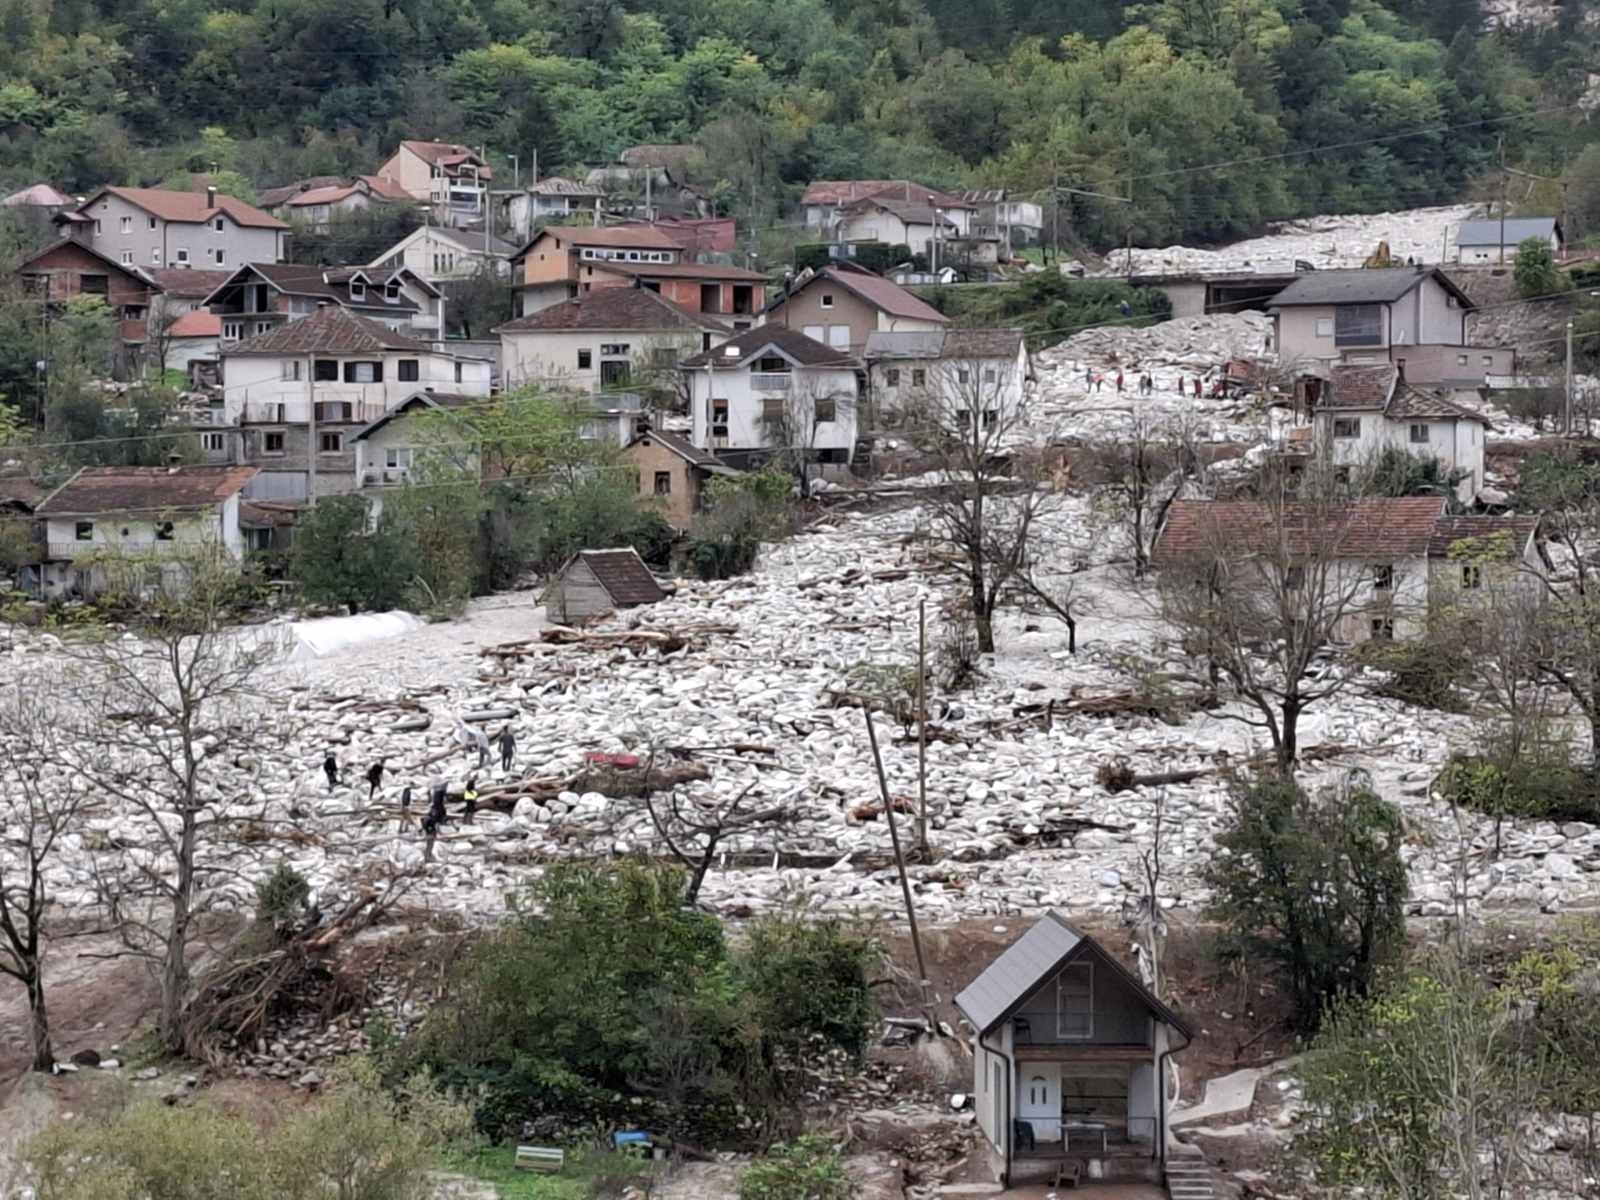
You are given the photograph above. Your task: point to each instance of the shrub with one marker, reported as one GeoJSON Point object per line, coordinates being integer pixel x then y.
{"type": "Point", "coordinates": [1536, 273]}
{"type": "Point", "coordinates": [809, 1168]}
{"type": "Point", "coordinates": [1422, 671]}
{"type": "Point", "coordinates": [742, 511]}
{"type": "Point", "coordinates": [282, 896]}
{"type": "Point", "coordinates": [1539, 782]}
{"type": "Point", "coordinates": [1313, 883]}
{"type": "Point", "coordinates": [336, 561]}
{"type": "Point", "coordinates": [808, 979]}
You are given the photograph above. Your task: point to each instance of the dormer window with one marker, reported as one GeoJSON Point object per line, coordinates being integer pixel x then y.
{"type": "Point", "coordinates": [358, 290]}
{"type": "Point", "coordinates": [391, 290]}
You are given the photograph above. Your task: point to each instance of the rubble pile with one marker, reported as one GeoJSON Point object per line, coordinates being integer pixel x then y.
{"type": "Point", "coordinates": [1018, 816]}
{"type": "Point", "coordinates": [1323, 241]}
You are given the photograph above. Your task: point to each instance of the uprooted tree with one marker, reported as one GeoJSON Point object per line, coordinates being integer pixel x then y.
{"type": "Point", "coordinates": [995, 500]}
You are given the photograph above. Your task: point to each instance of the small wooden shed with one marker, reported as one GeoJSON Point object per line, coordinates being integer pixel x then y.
{"type": "Point", "coordinates": [596, 581]}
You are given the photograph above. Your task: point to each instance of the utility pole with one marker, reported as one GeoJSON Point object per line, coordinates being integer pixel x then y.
{"type": "Point", "coordinates": [1569, 379]}
{"type": "Point", "coordinates": [899, 859]}
{"type": "Point", "coordinates": [516, 172]}
{"type": "Point", "coordinates": [1503, 177]}
{"type": "Point", "coordinates": [922, 728]}
{"type": "Point", "coordinates": [311, 434]}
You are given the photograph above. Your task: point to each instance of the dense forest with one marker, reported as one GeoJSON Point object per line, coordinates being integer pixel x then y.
{"type": "Point", "coordinates": [1314, 105]}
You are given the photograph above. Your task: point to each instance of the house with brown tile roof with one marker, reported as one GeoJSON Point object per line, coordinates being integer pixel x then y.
{"type": "Point", "coordinates": [260, 297]}
{"type": "Point", "coordinates": [673, 474]}
{"type": "Point", "coordinates": [134, 527]}
{"type": "Point", "coordinates": [156, 228]}
{"type": "Point", "coordinates": [450, 178]}
{"type": "Point", "coordinates": [69, 268]}
{"type": "Point", "coordinates": [842, 305]}
{"type": "Point", "coordinates": [1391, 557]}
{"type": "Point", "coordinates": [1362, 411]}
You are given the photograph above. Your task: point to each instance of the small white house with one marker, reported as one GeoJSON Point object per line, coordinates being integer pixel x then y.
{"type": "Point", "coordinates": [438, 254]}
{"type": "Point", "coordinates": [117, 526]}
{"type": "Point", "coordinates": [1364, 411]}
{"type": "Point", "coordinates": [775, 388]}
{"type": "Point", "coordinates": [979, 372]}
{"type": "Point", "coordinates": [1496, 241]}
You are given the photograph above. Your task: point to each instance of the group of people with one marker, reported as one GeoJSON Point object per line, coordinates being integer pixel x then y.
{"type": "Point", "coordinates": [466, 736]}
{"type": "Point", "coordinates": [1145, 383]}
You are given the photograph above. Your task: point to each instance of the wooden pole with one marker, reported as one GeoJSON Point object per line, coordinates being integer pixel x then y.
{"type": "Point", "coordinates": [899, 859]}
{"type": "Point", "coordinates": [922, 724]}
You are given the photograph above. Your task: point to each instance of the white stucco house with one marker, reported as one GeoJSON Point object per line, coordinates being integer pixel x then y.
{"type": "Point", "coordinates": [1496, 241]}
{"type": "Point", "coordinates": [775, 388]}
{"type": "Point", "coordinates": [441, 253]}
{"type": "Point", "coordinates": [1363, 411]}
{"type": "Point", "coordinates": [1070, 1058]}
{"type": "Point", "coordinates": [980, 372]}
{"type": "Point", "coordinates": [132, 527]}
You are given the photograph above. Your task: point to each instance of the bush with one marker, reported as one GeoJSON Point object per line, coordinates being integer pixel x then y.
{"type": "Point", "coordinates": [1313, 883]}
{"type": "Point", "coordinates": [1540, 784]}
{"type": "Point", "coordinates": [336, 561]}
{"type": "Point", "coordinates": [742, 511]}
{"type": "Point", "coordinates": [1536, 273]}
{"type": "Point", "coordinates": [282, 896]}
{"type": "Point", "coordinates": [1424, 671]}
{"type": "Point", "coordinates": [809, 1168]}
{"type": "Point", "coordinates": [1397, 473]}
{"type": "Point", "coordinates": [808, 979]}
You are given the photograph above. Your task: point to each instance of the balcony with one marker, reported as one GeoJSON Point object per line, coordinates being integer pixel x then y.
{"type": "Point", "coordinates": [769, 381]}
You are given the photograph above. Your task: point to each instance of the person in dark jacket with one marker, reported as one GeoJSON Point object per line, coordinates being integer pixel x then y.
{"type": "Point", "coordinates": [507, 743]}
{"type": "Point", "coordinates": [374, 778]}
{"type": "Point", "coordinates": [330, 768]}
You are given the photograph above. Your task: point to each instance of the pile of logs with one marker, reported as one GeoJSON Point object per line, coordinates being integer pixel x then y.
{"type": "Point", "coordinates": [663, 641]}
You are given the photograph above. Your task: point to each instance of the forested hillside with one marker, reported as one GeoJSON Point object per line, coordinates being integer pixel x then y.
{"type": "Point", "coordinates": [1098, 95]}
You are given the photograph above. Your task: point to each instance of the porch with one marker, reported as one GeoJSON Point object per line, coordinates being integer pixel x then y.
{"type": "Point", "coordinates": [1085, 1102]}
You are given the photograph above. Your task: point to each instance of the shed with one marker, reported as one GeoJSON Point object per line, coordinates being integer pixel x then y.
{"type": "Point", "coordinates": [595, 581]}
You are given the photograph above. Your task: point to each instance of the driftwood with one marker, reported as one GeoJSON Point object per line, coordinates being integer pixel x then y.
{"type": "Point", "coordinates": [608, 781]}
{"type": "Point", "coordinates": [666, 641]}
{"type": "Point", "coordinates": [1118, 776]}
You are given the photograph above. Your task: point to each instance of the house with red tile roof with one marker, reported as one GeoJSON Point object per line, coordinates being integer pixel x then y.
{"type": "Point", "coordinates": [450, 178]}
{"type": "Point", "coordinates": [156, 228]}
{"type": "Point", "coordinates": [843, 305]}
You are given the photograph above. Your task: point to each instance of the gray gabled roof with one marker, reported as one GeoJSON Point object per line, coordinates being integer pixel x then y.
{"type": "Point", "coordinates": [923, 343]}
{"type": "Point", "coordinates": [1362, 285]}
{"type": "Point", "coordinates": [1487, 233]}
{"type": "Point", "coordinates": [1031, 960]}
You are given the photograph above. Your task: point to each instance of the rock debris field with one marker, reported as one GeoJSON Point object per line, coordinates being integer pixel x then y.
{"type": "Point", "coordinates": [1018, 820]}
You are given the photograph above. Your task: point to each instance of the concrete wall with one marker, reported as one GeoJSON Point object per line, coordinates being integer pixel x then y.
{"type": "Point", "coordinates": [1188, 298]}
{"type": "Point", "coordinates": [1002, 394]}
{"type": "Point", "coordinates": [553, 356]}
{"type": "Point", "coordinates": [253, 382]}
{"type": "Point", "coordinates": [1455, 365]}
{"type": "Point", "coordinates": [806, 312]}
{"type": "Point", "coordinates": [1491, 254]}
{"type": "Point", "coordinates": [285, 474]}
{"type": "Point", "coordinates": [746, 428]}
{"type": "Point", "coordinates": [1457, 444]}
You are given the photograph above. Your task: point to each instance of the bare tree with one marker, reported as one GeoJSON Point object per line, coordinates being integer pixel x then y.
{"type": "Point", "coordinates": [994, 494]}
{"type": "Point", "coordinates": [1261, 590]}
{"type": "Point", "coordinates": [792, 421]}
{"type": "Point", "coordinates": [37, 807]}
{"type": "Point", "coordinates": [692, 829]}
{"type": "Point", "coordinates": [1137, 476]}
{"type": "Point", "coordinates": [153, 717]}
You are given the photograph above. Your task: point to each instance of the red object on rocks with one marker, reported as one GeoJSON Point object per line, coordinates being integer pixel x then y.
{"type": "Point", "coordinates": [601, 758]}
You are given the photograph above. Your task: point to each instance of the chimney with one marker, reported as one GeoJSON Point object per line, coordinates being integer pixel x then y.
{"type": "Point", "coordinates": [211, 197]}
{"type": "Point", "coordinates": [1400, 369]}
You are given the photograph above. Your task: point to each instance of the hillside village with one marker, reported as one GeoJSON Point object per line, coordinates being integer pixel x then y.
{"type": "Point", "coordinates": [571, 684]}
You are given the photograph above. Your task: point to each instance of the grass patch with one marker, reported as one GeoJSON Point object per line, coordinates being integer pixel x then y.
{"type": "Point", "coordinates": [588, 1175]}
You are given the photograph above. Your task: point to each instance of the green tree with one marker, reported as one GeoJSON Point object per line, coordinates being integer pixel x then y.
{"type": "Point", "coordinates": [337, 561]}
{"type": "Point", "coordinates": [808, 1168]}
{"type": "Point", "coordinates": [1313, 883]}
{"type": "Point", "coordinates": [439, 523]}
{"type": "Point", "coordinates": [1536, 272]}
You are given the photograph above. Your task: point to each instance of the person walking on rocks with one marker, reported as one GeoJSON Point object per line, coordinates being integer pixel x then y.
{"type": "Point", "coordinates": [470, 792]}
{"type": "Point", "coordinates": [508, 747]}
{"type": "Point", "coordinates": [330, 768]}
{"type": "Point", "coordinates": [467, 737]}
{"type": "Point", "coordinates": [1197, 387]}
{"type": "Point", "coordinates": [374, 779]}
{"type": "Point", "coordinates": [405, 805]}
{"type": "Point", "coordinates": [1119, 383]}
{"type": "Point", "coordinates": [435, 817]}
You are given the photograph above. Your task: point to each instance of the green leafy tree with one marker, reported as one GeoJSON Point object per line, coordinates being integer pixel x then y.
{"type": "Point", "coordinates": [1536, 272]}
{"type": "Point", "coordinates": [439, 523]}
{"type": "Point", "coordinates": [337, 561]}
{"type": "Point", "coordinates": [1313, 883]}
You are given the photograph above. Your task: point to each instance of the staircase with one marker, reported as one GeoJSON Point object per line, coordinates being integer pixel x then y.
{"type": "Point", "coordinates": [1188, 1178]}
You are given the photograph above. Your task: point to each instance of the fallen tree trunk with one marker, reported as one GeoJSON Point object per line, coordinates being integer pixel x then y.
{"type": "Point", "coordinates": [615, 782]}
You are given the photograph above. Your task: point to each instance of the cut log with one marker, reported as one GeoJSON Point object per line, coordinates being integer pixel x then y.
{"type": "Point", "coordinates": [411, 724]}
{"type": "Point", "coordinates": [489, 714]}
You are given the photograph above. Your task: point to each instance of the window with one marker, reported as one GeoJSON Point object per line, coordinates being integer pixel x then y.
{"type": "Point", "coordinates": [827, 300]}
{"type": "Point", "coordinates": [1488, 360]}
{"type": "Point", "coordinates": [891, 377]}
{"type": "Point", "coordinates": [772, 409]}
{"type": "Point", "coordinates": [163, 531]}
{"type": "Point", "coordinates": [183, 257]}
{"type": "Point", "coordinates": [217, 224]}
{"type": "Point", "coordinates": [988, 375]}
{"type": "Point", "coordinates": [84, 531]}
{"type": "Point", "coordinates": [458, 372]}
{"type": "Point", "coordinates": [919, 377]}
{"type": "Point", "coordinates": [363, 372]}
{"type": "Point", "coordinates": [772, 364]}
{"type": "Point", "coordinates": [127, 258]}
{"type": "Point", "coordinates": [391, 291]}
{"type": "Point", "coordinates": [323, 370]}
{"type": "Point", "coordinates": [1382, 629]}
{"type": "Point", "coordinates": [963, 375]}
{"type": "Point", "coordinates": [126, 225]}
{"type": "Point", "coordinates": [1383, 577]}
{"type": "Point", "coordinates": [1471, 575]}
{"type": "Point", "coordinates": [1341, 474]}
{"type": "Point", "coordinates": [827, 409]}
{"type": "Point", "coordinates": [358, 290]}
{"type": "Point", "coordinates": [152, 222]}
{"type": "Point", "coordinates": [663, 483]}
{"type": "Point", "coordinates": [97, 228]}
{"type": "Point", "coordinates": [331, 443]}
{"type": "Point", "coordinates": [1461, 360]}
{"type": "Point", "coordinates": [1294, 579]}
{"type": "Point", "coordinates": [1419, 433]}
{"type": "Point", "coordinates": [233, 330]}
{"type": "Point", "coordinates": [1358, 325]}
{"type": "Point", "coordinates": [1347, 427]}
{"type": "Point", "coordinates": [397, 458]}
{"type": "Point", "coordinates": [409, 370]}
{"type": "Point", "coordinates": [585, 360]}
{"type": "Point", "coordinates": [272, 443]}
{"type": "Point", "coordinates": [263, 326]}
{"type": "Point", "coordinates": [1324, 327]}
{"type": "Point", "coordinates": [1075, 1001]}
{"type": "Point", "coordinates": [613, 349]}
{"type": "Point", "coordinates": [155, 256]}
{"type": "Point", "coordinates": [212, 441]}
{"type": "Point", "coordinates": [219, 255]}
{"type": "Point", "coordinates": [990, 416]}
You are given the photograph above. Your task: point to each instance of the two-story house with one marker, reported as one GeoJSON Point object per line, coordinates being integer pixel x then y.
{"type": "Point", "coordinates": [1362, 411]}
{"type": "Point", "coordinates": [957, 375]}
{"type": "Point", "coordinates": [258, 298]}
{"type": "Point", "coordinates": [440, 254]}
{"type": "Point", "coordinates": [550, 200]}
{"type": "Point", "coordinates": [772, 388]}
{"type": "Point", "coordinates": [131, 527]}
{"type": "Point", "coordinates": [1365, 316]}
{"type": "Point", "coordinates": [452, 179]}
{"type": "Point", "coordinates": [316, 208]}
{"type": "Point", "coordinates": [155, 227]}
{"type": "Point", "coordinates": [1070, 1058]}
{"type": "Point", "coordinates": [842, 305]}
{"type": "Point", "coordinates": [895, 223]}
{"type": "Point", "coordinates": [391, 450]}
{"type": "Point", "coordinates": [825, 201]}
{"type": "Point", "coordinates": [300, 392]}
{"type": "Point", "coordinates": [608, 340]}
{"type": "Point", "coordinates": [1011, 221]}
{"type": "Point", "coordinates": [68, 268]}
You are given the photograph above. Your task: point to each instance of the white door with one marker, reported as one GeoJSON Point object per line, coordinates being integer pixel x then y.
{"type": "Point", "coordinates": [1039, 1101]}
{"type": "Point", "coordinates": [839, 336]}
